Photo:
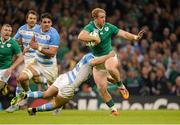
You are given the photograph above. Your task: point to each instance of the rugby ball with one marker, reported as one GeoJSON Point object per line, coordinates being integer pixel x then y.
{"type": "Point", "coordinates": [92, 43]}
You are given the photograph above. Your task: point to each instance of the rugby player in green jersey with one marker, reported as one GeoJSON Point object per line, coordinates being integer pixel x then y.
{"type": "Point", "coordinates": [109, 70]}
{"type": "Point", "coordinates": [9, 49]}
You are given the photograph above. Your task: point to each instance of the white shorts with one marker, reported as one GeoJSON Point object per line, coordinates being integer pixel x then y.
{"type": "Point", "coordinates": [4, 78]}
{"type": "Point", "coordinates": [50, 73]}
{"type": "Point", "coordinates": [65, 89]}
{"type": "Point", "coordinates": [28, 60]}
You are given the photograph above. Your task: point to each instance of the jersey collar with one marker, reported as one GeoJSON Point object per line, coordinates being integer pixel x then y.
{"type": "Point", "coordinates": [97, 26]}
{"type": "Point", "coordinates": [5, 41]}
{"type": "Point", "coordinates": [31, 28]}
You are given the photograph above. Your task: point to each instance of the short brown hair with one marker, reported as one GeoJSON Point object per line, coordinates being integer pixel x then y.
{"type": "Point", "coordinates": [95, 12]}
{"type": "Point", "coordinates": [46, 15]}
{"type": "Point", "coordinates": [7, 25]}
{"type": "Point", "coordinates": [31, 12]}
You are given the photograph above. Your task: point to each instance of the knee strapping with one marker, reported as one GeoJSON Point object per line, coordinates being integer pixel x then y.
{"type": "Point", "coordinates": [28, 73]}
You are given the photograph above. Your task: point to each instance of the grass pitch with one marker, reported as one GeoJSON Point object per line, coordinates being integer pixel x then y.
{"type": "Point", "coordinates": [92, 117]}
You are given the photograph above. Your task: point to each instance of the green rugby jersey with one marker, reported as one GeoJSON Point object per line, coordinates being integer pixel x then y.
{"type": "Point", "coordinates": [7, 50]}
{"type": "Point", "coordinates": [105, 33]}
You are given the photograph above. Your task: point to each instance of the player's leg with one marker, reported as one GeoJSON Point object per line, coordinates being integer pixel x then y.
{"type": "Point", "coordinates": [3, 81]}
{"type": "Point", "coordinates": [18, 70]}
{"type": "Point", "coordinates": [3, 88]}
{"type": "Point", "coordinates": [112, 65]}
{"type": "Point", "coordinates": [50, 92]}
{"type": "Point", "coordinates": [25, 76]}
{"type": "Point", "coordinates": [100, 78]}
{"type": "Point", "coordinates": [56, 102]}
{"type": "Point", "coordinates": [23, 85]}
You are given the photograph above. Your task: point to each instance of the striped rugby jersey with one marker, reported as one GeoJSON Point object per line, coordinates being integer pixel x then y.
{"type": "Point", "coordinates": [81, 71]}
{"type": "Point", "coordinates": [46, 39]}
{"type": "Point", "coordinates": [26, 35]}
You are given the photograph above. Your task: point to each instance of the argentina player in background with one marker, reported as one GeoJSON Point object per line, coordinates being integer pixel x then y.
{"type": "Point", "coordinates": [63, 88]}
{"type": "Point", "coordinates": [45, 42]}
{"type": "Point", "coordinates": [23, 37]}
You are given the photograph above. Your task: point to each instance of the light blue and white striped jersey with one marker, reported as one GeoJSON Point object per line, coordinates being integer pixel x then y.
{"type": "Point", "coordinates": [46, 40]}
{"type": "Point", "coordinates": [81, 71]}
{"type": "Point", "coordinates": [26, 34]}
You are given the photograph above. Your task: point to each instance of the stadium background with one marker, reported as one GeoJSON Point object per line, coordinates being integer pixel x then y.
{"type": "Point", "coordinates": [150, 67]}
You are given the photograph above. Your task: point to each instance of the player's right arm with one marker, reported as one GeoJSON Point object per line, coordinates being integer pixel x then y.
{"type": "Point", "coordinates": [86, 37]}
{"type": "Point", "coordinates": [101, 59]}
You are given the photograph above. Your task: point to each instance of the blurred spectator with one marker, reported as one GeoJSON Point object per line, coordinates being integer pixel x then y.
{"type": "Point", "coordinates": [132, 82]}
{"type": "Point", "coordinates": [86, 90]}
{"type": "Point", "coordinates": [162, 84]}
{"type": "Point", "coordinates": [176, 87]}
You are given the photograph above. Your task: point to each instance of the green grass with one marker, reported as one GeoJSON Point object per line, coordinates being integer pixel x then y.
{"type": "Point", "coordinates": [92, 117]}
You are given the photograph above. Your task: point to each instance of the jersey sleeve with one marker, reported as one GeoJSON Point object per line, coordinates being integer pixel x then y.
{"type": "Point", "coordinates": [55, 39]}
{"type": "Point", "coordinates": [16, 48]}
{"type": "Point", "coordinates": [114, 29]}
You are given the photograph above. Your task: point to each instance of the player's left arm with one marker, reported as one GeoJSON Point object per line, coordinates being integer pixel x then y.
{"type": "Point", "coordinates": [129, 36]}
{"type": "Point", "coordinates": [101, 59]}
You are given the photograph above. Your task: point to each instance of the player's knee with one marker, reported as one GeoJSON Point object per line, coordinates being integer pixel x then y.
{"type": "Point", "coordinates": [102, 85]}
{"type": "Point", "coordinates": [22, 77]}
{"type": "Point", "coordinates": [111, 65]}
{"type": "Point", "coordinates": [26, 74]}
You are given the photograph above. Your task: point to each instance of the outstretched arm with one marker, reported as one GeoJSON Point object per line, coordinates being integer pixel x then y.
{"type": "Point", "coordinates": [101, 59]}
{"type": "Point", "coordinates": [130, 36]}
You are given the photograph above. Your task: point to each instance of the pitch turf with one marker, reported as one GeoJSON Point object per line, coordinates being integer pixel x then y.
{"type": "Point", "coordinates": [92, 117]}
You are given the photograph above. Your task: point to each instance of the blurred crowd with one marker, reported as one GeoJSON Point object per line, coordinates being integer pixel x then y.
{"type": "Point", "coordinates": [150, 66]}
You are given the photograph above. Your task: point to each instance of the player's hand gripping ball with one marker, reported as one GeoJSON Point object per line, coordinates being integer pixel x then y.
{"type": "Point", "coordinates": [92, 43]}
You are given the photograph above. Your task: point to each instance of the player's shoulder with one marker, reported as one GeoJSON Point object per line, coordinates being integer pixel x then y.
{"type": "Point", "coordinates": [23, 27]}
{"type": "Point", "coordinates": [89, 27]}
{"type": "Point", "coordinates": [53, 31]}
{"type": "Point", "coordinates": [37, 27]}
{"type": "Point", "coordinates": [110, 26]}
{"type": "Point", "coordinates": [90, 24]}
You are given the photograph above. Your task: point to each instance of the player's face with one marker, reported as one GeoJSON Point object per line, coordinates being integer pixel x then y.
{"type": "Point", "coordinates": [46, 23]}
{"type": "Point", "coordinates": [100, 20]}
{"type": "Point", "coordinates": [31, 20]}
{"type": "Point", "coordinates": [6, 32]}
